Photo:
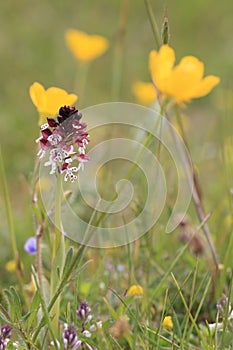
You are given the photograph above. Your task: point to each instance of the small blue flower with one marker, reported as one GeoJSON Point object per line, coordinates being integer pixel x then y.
{"type": "Point", "coordinates": [30, 246]}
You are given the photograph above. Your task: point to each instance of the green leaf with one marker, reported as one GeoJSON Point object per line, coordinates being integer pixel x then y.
{"type": "Point", "coordinates": [25, 317]}
{"type": "Point", "coordinates": [4, 318]}
{"type": "Point", "coordinates": [45, 309]}
{"type": "Point", "coordinates": [10, 304]}
{"type": "Point", "coordinates": [68, 260]}
{"type": "Point", "coordinates": [34, 310]}
{"type": "Point", "coordinates": [17, 303]}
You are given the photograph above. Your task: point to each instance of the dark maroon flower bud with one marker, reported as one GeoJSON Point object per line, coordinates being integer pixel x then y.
{"type": "Point", "coordinates": [64, 166]}
{"type": "Point", "coordinates": [44, 144]}
{"type": "Point", "coordinates": [52, 122]}
{"type": "Point", "coordinates": [67, 111]}
{"type": "Point", "coordinates": [46, 133]}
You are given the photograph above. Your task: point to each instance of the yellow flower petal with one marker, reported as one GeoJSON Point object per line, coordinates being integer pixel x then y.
{"type": "Point", "coordinates": [206, 85]}
{"type": "Point", "coordinates": [144, 92]}
{"type": "Point", "coordinates": [37, 94]}
{"type": "Point", "coordinates": [161, 64]}
{"type": "Point", "coordinates": [184, 79]}
{"type": "Point", "coordinates": [85, 47]}
{"type": "Point", "coordinates": [135, 290]}
{"type": "Point", "coordinates": [182, 82]}
{"type": "Point", "coordinates": [167, 323]}
{"type": "Point", "coordinates": [49, 101]}
{"type": "Point", "coordinates": [191, 66]}
{"type": "Point", "coordinates": [55, 98]}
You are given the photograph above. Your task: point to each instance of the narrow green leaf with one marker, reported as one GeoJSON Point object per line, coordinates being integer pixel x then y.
{"type": "Point", "coordinates": [17, 303]}
{"type": "Point", "coordinates": [45, 309]}
{"type": "Point", "coordinates": [34, 310]}
{"type": "Point", "coordinates": [68, 260]}
{"type": "Point", "coordinates": [10, 304]}
{"type": "Point", "coordinates": [4, 318]}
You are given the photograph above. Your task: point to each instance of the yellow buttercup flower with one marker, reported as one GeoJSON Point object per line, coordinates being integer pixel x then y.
{"type": "Point", "coordinates": [85, 47]}
{"type": "Point", "coordinates": [135, 290]}
{"type": "Point", "coordinates": [49, 101]}
{"type": "Point", "coordinates": [182, 82]}
{"type": "Point", "coordinates": [167, 323]}
{"type": "Point", "coordinates": [144, 92]}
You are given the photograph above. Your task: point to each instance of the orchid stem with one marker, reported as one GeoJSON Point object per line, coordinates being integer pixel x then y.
{"type": "Point", "coordinates": [58, 256]}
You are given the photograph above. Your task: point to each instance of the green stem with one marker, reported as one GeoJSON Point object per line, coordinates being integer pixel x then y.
{"type": "Point", "coordinates": [39, 234]}
{"type": "Point", "coordinates": [81, 81]}
{"type": "Point", "coordinates": [19, 270]}
{"type": "Point", "coordinates": [153, 23]}
{"type": "Point", "coordinates": [192, 179]}
{"type": "Point", "coordinates": [8, 210]}
{"type": "Point", "coordinates": [56, 296]}
{"type": "Point", "coordinates": [58, 256]}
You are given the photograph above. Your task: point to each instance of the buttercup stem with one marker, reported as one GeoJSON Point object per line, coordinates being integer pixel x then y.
{"type": "Point", "coordinates": [58, 256]}
{"type": "Point", "coordinates": [197, 200]}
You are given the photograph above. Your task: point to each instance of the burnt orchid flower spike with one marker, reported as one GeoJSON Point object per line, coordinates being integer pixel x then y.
{"type": "Point", "coordinates": [52, 122]}
{"type": "Point", "coordinates": [65, 143]}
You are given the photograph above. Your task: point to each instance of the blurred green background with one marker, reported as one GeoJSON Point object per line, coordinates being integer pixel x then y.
{"type": "Point", "coordinates": [33, 49]}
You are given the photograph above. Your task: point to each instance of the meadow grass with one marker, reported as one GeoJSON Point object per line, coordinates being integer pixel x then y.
{"type": "Point", "coordinates": [177, 274]}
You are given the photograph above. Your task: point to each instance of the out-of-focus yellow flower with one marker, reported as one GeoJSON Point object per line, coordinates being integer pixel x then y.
{"type": "Point", "coordinates": [49, 101]}
{"type": "Point", "coordinates": [10, 266]}
{"type": "Point", "coordinates": [135, 290]}
{"type": "Point", "coordinates": [182, 82]}
{"type": "Point", "coordinates": [85, 47]}
{"type": "Point", "coordinates": [144, 92]}
{"type": "Point", "coordinates": [167, 323]}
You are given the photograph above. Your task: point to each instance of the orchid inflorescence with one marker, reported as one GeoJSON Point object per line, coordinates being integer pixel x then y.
{"type": "Point", "coordinates": [65, 139]}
